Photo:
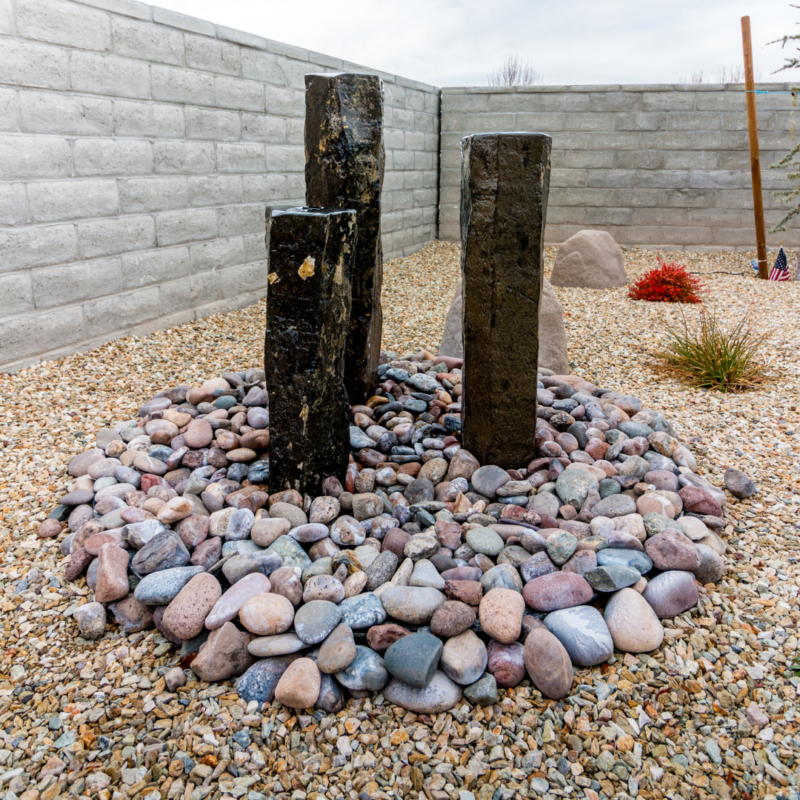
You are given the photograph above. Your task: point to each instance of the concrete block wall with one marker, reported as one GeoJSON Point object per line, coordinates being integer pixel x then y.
{"type": "Point", "coordinates": [658, 166]}
{"type": "Point", "coordinates": [138, 150]}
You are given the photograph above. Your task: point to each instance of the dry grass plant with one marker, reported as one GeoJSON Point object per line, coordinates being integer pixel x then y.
{"type": "Point", "coordinates": [710, 355]}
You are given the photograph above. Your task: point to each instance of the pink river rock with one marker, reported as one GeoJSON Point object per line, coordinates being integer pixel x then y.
{"type": "Point", "coordinates": [228, 606]}
{"type": "Point", "coordinates": [548, 664]}
{"type": "Point", "coordinates": [49, 528]}
{"type": "Point", "coordinates": [699, 501]}
{"type": "Point", "coordinates": [81, 463]}
{"type": "Point", "coordinates": [185, 616]}
{"type": "Point", "coordinates": [632, 623]}
{"type": "Point", "coordinates": [95, 542]}
{"type": "Point", "coordinates": [223, 655]}
{"type": "Point", "coordinates": [557, 590]}
{"type": "Point", "coordinates": [500, 613]}
{"type": "Point", "coordinates": [506, 663]}
{"type": "Point", "coordinates": [267, 614]}
{"type": "Point", "coordinates": [193, 530]}
{"type": "Point", "coordinates": [207, 553]}
{"type": "Point", "coordinates": [112, 574]}
{"type": "Point", "coordinates": [463, 574]}
{"type": "Point", "coordinates": [299, 686]}
{"type": "Point", "coordinates": [175, 510]}
{"type": "Point", "coordinates": [199, 434]}
{"type": "Point", "coordinates": [265, 531]}
{"type": "Point", "coordinates": [671, 593]}
{"type": "Point", "coordinates": [670, 550]}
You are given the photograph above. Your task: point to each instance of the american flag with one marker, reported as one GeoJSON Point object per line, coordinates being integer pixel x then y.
{"type": "Point", "coordinates": [780, 271]}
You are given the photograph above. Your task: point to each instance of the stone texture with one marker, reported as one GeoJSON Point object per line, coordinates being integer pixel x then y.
{"type": "Point", "coordinates": [413, 659]}
{"type": "Point", "coordinates": [366, 672]}
{"type": "Point", "coordinates": [362, 611]}
{"type": "Point", "coordinates": [131, 615]}
{"type": "Point", "coordinates": [299, 686]}
{"type": "Point", "coordinates": [259, 681]}
{"type": "Point", "coordinates": [267, 614]}
{"type": "Point", "coordinates": [308, 305]}
{"type": "Point", "coordinates": [161, 588]}
{"type": "Point", "coordinates": [186, 614]}
{"type": "Point", "coordinates": [281, 644]}
{"type": "Point", "coordinates": [557, 590]}
{"type": "Point", "coordinates": [464, 658]}
{"type": "Point", "coordinates": [548, 664]}
{"type": "Point", "coordinates": [632, 623]}
{"type": "Point", "coordinates": [698, 500]}
{"type": "Point", "coordinates": [711, 567]}
{"type": "Point", "coordinates": [381, 637]}
{"type": "Point", "coordinates": [670, 550]}
{"type": "Point", "coordinates": [504, 177]}
{"type": "Point", "coordinates": [322, 587]}
{"type": "Point", "coordinates": [174, 679]}
{"type": "Point", "coordinates": [228, 606]}
{"type": "Point", "coordinates": [484, 691]}
{"type": "Point", "coordinates": [91, 619]}
{"type": "Point", "coordinates": [589, 260]}
{"type": "Point", "coordinates": [506, 663]}
{"type": "Point", "coordinates": [501, 613]}
{"type": "Point", "coordinates": [441, 694]}
{"type": "Point", "coordinates": [223, 655]}
{"type": "Point", "coordinates": [738, 484]}
{"type": "Point", "coordinates": [612, 577]}
{"type": "Point", "coordinates": [671, 593]}
{"type": "Point", "coordinates": [344, 169]}
{"type": "Point", "coordinates": [552, 334]}
{"type": "Point", "coordinates": [583, 632]}
{"type": "Point", "coordinates": [238, 566]}
{"type": "Point", "coordinates": [451, 618]}
{"type": "Point", "coordinates": [112, 574]}
{"type": "Point", "coordinates": [315, 620]}
{"type": "Point", "coordinates": [337, 651]}
{"type": "Point", "coordinates": [164, 551]}
{"type": "Point", "coordinates": [411, 604]}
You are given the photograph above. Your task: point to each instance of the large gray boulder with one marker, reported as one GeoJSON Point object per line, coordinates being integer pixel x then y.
{"type": "Point", "coordinates": [552, 335]}
{"type": "Point", "coordinates": [589, 260]}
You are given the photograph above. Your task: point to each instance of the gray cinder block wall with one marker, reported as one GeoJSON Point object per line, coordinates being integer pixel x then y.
{"type": "Point", "coordinates": [138, 150]}
{"type": "Point", "coordinates": [660, 166]}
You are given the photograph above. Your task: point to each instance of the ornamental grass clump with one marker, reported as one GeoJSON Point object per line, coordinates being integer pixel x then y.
{"type": "Point", "coordinates": [667, 283]}
{"type": "Point", "coordinates": [710, 356]}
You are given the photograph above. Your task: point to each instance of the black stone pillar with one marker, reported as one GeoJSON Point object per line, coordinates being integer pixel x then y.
{"type": "Point", "coordinates": [504, 184]}
{"type": "Point", "coordinates": [311, 254]}
{"type": "Point", "coordinates": [344, 169]}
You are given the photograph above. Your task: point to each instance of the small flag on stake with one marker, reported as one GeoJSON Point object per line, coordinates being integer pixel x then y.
{"type": "Point", "coordinates": [780, 271]}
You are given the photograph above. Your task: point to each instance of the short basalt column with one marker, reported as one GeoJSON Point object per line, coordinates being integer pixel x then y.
{"type": "Point", "coordinates": [504, 184]}
{"type": "Point", "coordinates": [311, 255]}
{"type": "Point", "coordinates": [344, 169]}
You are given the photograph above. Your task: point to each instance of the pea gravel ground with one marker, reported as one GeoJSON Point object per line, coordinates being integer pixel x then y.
{"type": "Point", "coordinates": [713, 713]}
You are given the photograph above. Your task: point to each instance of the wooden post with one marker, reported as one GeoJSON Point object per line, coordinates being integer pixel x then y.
{"type": "Point", "coordinates": [755, 160]}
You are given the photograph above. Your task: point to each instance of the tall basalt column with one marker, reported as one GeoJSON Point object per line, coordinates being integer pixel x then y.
{"type": "Point", "coordinates": [344, 169]}
{"type": "Point", "coordinates": [504, 184]}
{"type": "Point", "coordinates": [311, 253]}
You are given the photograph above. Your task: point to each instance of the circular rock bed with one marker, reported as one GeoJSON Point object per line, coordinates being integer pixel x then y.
{"type": "Point", "coordinates": [420, 574]}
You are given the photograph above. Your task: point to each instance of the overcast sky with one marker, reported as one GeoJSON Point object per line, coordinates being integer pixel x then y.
{"type": "Point", "coordinates": [457, 43]}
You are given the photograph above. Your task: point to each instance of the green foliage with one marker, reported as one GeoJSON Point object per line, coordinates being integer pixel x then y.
{"type": "Point", "coordinates": [709, 356]}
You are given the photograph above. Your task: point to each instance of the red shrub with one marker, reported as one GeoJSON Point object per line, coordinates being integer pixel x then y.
{"type": "Point", "coordinates": [668, 283]}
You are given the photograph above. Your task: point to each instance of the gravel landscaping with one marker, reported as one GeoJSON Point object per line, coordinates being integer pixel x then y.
{"type": "Point", "coordinates": [712, 711]}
